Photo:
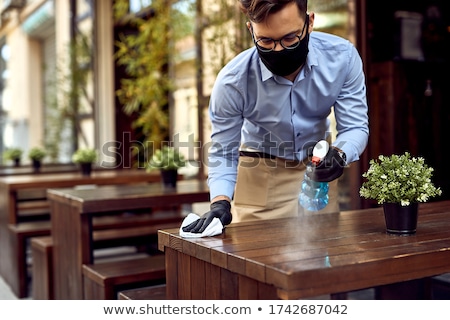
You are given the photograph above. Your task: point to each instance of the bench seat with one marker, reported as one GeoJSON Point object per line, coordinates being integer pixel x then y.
{"type": "Point", "coordinates": [33, 210]}
{"type": "Point", "coordinates": [16, 251]}
{"type": "Point", "coordinates": [103, 281]}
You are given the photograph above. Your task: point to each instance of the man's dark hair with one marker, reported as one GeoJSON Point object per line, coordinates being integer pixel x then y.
{"type": "Point", "coordinates": [258, 10]}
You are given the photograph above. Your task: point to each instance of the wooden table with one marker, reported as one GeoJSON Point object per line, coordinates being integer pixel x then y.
{"type": "Point", "coordinates": [10, 186]}
{"type": "Point", "coordinates": [12, 263]}
{"type": "Point", "coordinates": [306, 256]}
{"type": "Point", "coordinates": [72, 212]}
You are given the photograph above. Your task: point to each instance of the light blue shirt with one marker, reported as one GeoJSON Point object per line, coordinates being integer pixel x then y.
{"type": "Point", "coordinates": [251, 106]}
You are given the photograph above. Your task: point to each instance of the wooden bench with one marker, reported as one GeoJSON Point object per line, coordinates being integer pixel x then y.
{"type": "Point", "coordinates": [33, 220]}
{"type": "Point", "coordinates": [24, 200]}
{"type": "Point", "coordinates": [103, 281]}
{"type": "Point", "coordinates": [146, 293]}
{"type": "Point", "coordinates": [32, 205]}
{"type": "Point", "coordinates": [16, 251]}
{"type": "Point", "coordinates": [33, 210]}
{"type": "Point", "coordinates": [42, 270]}
{"type": "Point", "coordinates": [110, 231]}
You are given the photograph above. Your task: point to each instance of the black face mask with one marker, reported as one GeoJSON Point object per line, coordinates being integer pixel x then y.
{"type": "Point", "coordinates": [286, 61]}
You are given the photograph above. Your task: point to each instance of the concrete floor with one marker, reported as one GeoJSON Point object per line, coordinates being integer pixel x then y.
{"type": "Point", "coordinates": [5, 291]}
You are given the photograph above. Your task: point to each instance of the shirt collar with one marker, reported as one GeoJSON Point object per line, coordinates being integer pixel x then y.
{"type": "Point", "coordinates": [265, 73]}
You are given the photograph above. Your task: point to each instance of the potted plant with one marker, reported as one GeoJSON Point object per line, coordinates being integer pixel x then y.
{"type": "Point", "coordinates": [13, 154]}
{"type": "Point", "coordinates": [85, 157]}
{"type": "Point", "coordinates": [36, 155]}
{"type": "Point", "coordinates": [399, 183]}
{"type": "Point", "coordinates": [168, 160]}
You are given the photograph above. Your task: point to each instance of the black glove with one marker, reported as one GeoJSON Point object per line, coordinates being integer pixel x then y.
{"type": "Point", "coordinates": [331, 167]}
{"type": "Point", "coordinates": [220, 209]}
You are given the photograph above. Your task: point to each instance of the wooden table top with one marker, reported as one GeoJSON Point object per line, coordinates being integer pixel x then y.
{"type": "Point", "coordinates": [70, 179]}
{"type": "Point", "coordinates": [45, 168]}
{"type": "Point", "coordinates": [114, 197]}
{"type": "Point", "coordinates": [326, 253]}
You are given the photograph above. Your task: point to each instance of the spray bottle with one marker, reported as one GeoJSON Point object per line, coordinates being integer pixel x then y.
{"type": "Point", "coordinates": [314, 194]}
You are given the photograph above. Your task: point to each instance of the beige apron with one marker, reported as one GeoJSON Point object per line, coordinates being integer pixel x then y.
{"type": "Point", "coordinates": [269, 189]}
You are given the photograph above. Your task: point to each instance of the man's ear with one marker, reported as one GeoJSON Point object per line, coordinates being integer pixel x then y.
{"type": "Point", "coordinates": [249, 26]}
{"type": "Point", "coordinates": [311, 22]}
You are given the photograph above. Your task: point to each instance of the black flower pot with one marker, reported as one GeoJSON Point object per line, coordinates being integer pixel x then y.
{"type": "Point", "coordinates": [401, 220]}
{"type": "Point", "coordinates": [169, 178]}
{"type": "Point", "coordinates": [17, 162]}
{"type": "Point", "coordinates": [36, 165]}
{"type": "Point", "coordinates": [86, 168]}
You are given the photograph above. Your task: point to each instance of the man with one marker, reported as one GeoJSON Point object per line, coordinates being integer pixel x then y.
{"type": "Point", "coordinates": [270, 106]}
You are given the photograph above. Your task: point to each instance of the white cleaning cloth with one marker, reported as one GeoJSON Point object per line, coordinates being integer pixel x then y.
{"type": "Point", "coordinates": [214, 228]}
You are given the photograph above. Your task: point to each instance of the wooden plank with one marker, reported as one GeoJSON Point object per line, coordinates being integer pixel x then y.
{"type": "Point", "coordinates": [198, 251]}
{"type": "Point", "coordinates": [184, 281]}
{"type": "Point", "coordinates": [198, 277]}
{"type": "Point", "coordinates": [248, 288]}
{"type": "Point", "coordinates": [163, 241]}
{"type": "Point", "coordinates": [267, 292]}
{"type": "Point", "coordinates": [33, 204]}
{"type": "Point", "coordinates": [236, 264]}
{"type": "Point", "coordinates": [31, 194]}
{"type": "Point", "coordinates": [42, 271]}
{"type": "Point", "coordinates": [219, 258]}
{"type": "Point", "coordinates": [115, 273]}
{"type": "Point", "coordinates": [69, 284]}
{"type": "Point", "coordinates": [171, 273]}
{"type": "Point", "coordinates": [212, 278]}
{"type": "Point", "coordinates": [229, 285]}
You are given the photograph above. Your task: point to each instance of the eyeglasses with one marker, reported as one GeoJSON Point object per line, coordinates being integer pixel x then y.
{"type": "Point", "coordinates": [291, 41]}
